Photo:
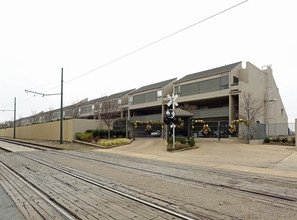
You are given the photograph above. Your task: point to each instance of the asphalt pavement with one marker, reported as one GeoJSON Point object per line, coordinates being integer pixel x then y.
{"type": "Point", "coordinates": [225, 154]}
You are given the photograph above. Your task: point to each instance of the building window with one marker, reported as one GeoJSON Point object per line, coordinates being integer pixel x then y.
{"type": "Point", "coordinates": [131, 100]}
{"type": "Point", "coordinates": [177, 89]}
{"type": "Point", "coordinates": [282, 111]}
{"type": "Point", "coordinates": [235, 81]}
{"type": "Point", "coordinates": [224, 82]}
{"type": "Point", "coordinates": [159, 94]}
{"type": "Point", "coordinates": [93, 108]}
{"type": "Point", "coordinates": [119, 101]}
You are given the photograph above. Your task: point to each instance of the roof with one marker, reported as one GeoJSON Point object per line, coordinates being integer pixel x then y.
{"type": "Point", "coordinates": [183, 113]}
{"type": "Point", "coordinates": [153, 86]}
{"type": "Point", "coordinates": [120, 94]}
{"type": "Point", "coordinates": [208, 72]}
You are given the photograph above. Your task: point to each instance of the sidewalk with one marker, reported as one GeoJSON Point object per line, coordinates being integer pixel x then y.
{"type": "Point", "coordinates": [260, 159]}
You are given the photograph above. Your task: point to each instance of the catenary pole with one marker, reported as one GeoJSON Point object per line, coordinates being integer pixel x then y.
{"type": "Point", "coordinates": [61, 119]}
{"type": "Point", "coordinates": [14, 119]}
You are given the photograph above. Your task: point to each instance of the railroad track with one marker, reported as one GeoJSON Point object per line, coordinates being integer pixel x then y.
{"type": "Point", "coordinates": [255, 193]}
{"type": "Point", "coordinates": [29, 144]}
{"type": "Point", "coordinates": [68, 213]}
{"type": "Point", "coordinates": [268, 197]}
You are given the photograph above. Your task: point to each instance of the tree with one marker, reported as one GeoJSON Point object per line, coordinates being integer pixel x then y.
{"type": "Point", "coordinates": [109, 111]}
{"type": "Point", "coordinates": [251, 109]}
{"type": "Point", "coordinates": [189, 108]}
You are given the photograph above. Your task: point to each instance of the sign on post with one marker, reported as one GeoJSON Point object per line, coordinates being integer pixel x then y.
{"type": "Point", "coordinates": [173, 102]}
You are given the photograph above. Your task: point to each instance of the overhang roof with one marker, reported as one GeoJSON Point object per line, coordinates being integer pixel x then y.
{"type": "Point", "coordinates": [182, 113]}
{"type": "Point", "coordinates": [153, 86]}
{"type": "Point", "coordinates": [120, 94]}
{"type": "Point", "coordinates": [208, 72]}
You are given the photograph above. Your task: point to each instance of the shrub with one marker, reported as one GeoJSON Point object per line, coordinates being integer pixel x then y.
{"type": "Point", "coordinates": [84, 137]}
{"type": "Point", "coordinates": [89, 131]}
{"type": "Point", "coordinates": [119, 141]}
{"type": "Point", "coordinates": [267, 140]}
{"type": "Point", "coordinates": [285, 139]}
{"type": "Point", "coordinates": [183, 140]}
{"type": "Point", "coordinates": [78, 135]}
{"type": "Point", "coordinates": [170, 141]}
{"type": "Point", "coordinates": [96, 133]}
{"type": "Point", "coordinates": [191, 142]}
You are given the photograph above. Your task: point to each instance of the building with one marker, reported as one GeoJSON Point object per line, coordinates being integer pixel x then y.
{"type": "Point", "coordinates": [214, 95]}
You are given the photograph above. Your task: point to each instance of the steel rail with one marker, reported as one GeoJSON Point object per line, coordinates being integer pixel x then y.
{"type": "Point", "coordinates": [268, 195]}
{"type": "Point", "coordinates": [94, 182]}
{"type": "Point", "coordinates": [39, 193]}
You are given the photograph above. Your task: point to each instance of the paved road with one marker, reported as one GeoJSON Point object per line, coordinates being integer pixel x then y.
{"type": "Point", "coordinates": [226, 154]}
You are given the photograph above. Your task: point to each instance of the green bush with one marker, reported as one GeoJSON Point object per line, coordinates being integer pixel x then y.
{"type": "Point", "coordinates": [118, 141]}
{"type": "Point", "coordinates": [84, 137]}
{"type": "Point", "coordinates": [267, 140]}
{"type": "Point", "coordinates": [191, 142]}
{"type": "Point", "coordinates": [183, 140]}
{"type": "Point", "coordinates": [96, 133]}
{"type": "Point", "coordinates": [89, 131]}
{"type": "Point", "coordinates": [170, 141]}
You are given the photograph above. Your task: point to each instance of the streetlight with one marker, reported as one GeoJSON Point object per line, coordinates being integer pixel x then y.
{"type": "Point", "coordinates": [61, 119]}
{"type": "Point", "coordinates": [14, 117]}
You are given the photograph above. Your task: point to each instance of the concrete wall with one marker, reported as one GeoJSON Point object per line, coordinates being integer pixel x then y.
{"type": "Point", "coordinates": [51, 130]}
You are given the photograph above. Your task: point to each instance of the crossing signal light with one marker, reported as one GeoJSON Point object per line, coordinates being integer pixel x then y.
{"type": "Point", "coordinates": [168, 121]}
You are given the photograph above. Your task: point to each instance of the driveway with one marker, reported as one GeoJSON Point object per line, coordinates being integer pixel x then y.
{"type": "Point", "coordinates": [224, 154]}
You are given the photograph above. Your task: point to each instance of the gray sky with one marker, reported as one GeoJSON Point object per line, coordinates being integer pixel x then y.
{"type": "Point", "coordinates": [38, 38]}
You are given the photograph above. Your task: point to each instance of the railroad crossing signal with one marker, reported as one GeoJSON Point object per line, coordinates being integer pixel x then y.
{"type": "Point", "coordinates": [172, 100]}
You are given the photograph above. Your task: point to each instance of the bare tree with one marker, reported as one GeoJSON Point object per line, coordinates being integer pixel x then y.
{"type": "Point", "coordinates": [189, 108]}
{"type": "Point", "coordinates": [109, 111]}
{"type": "Point", "coordinates": [250, 110]}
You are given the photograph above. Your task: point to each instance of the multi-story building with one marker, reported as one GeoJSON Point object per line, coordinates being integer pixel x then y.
{"type": "Point", "coordinates": [214, 95]}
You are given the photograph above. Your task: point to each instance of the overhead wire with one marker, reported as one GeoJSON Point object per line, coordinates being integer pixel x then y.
{"type": "Point", "coordinates": [150, 44]}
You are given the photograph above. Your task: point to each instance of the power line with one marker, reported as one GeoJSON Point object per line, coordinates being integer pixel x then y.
{"type": "Point", "coordinates": [152, 43]}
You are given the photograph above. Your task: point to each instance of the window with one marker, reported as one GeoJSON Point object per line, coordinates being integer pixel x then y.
{"type": "Point", "coordinates": [159, 94]}
{"type": "Point", "coordinates": [93, 108]}
{"type": "Point", "coordinates": [224, 82]}
{"type": "Point", "coordinates": [119, 101]}
{"type": "Point", "coordinates": [282, 111]}
{"type": "Point", "coordinates": [177, 89]}
{"type": "Point", "coordinates": [235, 81]}
{"type": "Point", "coordinates": [131, 100]}
{"type": "Point", "coordinates": [189, 89]}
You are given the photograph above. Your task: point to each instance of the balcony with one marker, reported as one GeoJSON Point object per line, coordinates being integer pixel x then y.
{"type": "Point", "coordinates": [153, 117]}
{"type": "Point", "coordinates": [212, 113]}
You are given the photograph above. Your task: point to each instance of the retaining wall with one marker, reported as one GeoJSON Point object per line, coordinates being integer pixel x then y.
{"type": "Point", "coordinates": [51, 130]}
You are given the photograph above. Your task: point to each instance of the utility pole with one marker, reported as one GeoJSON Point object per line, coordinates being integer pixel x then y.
{"type": "Point", "coordinates": [61, 119]}
{"type": "Point", "coordinates": [14, 118]}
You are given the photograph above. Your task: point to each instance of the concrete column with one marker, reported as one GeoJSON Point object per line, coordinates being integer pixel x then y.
{"type": "Point", "coordinates": [296, 133]}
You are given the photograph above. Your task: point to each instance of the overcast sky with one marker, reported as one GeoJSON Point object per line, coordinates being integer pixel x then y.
{"type": "Point", "coordinates": [40, 37]}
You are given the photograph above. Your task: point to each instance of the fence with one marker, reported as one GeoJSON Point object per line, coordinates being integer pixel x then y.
{"type": "Point", "coordinates": [261, 131]}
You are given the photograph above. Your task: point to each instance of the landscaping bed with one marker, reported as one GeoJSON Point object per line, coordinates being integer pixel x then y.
{"type": "Point", "coordinates": [280, 140]}
{"type": "Point", "coordinates": [181, 144]}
